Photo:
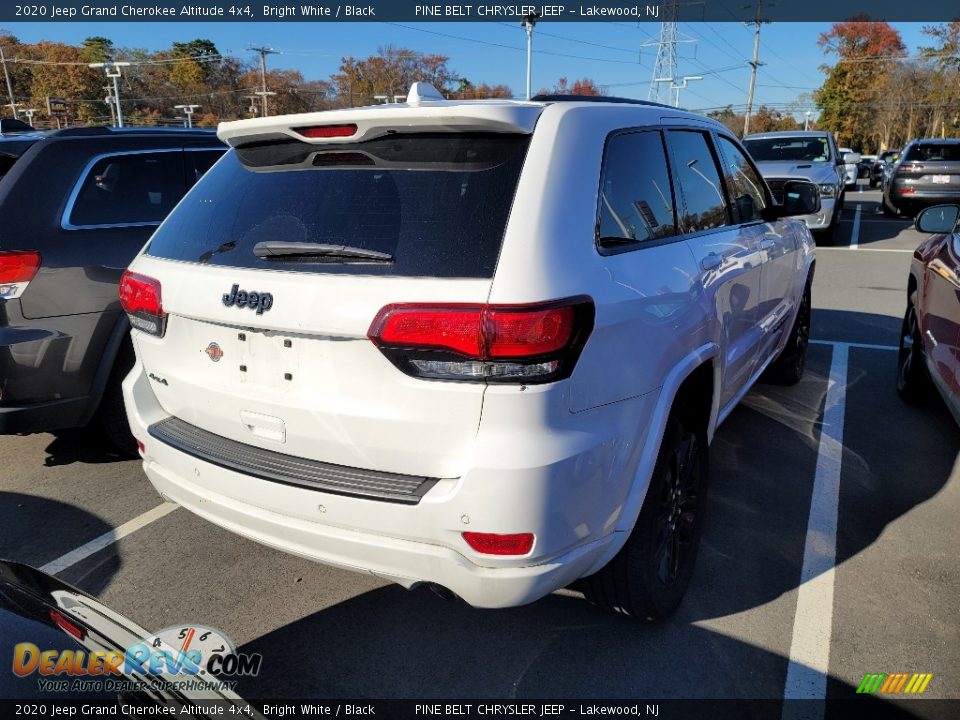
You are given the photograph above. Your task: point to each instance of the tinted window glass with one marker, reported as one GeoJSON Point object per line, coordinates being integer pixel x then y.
{"type": "Point", "coordinates": [437, 203]}
{"type": "Point", "coordinates": [636, 202]}
{"type": "Point", "coordinates": [703, 204]}
{"type": "Point", "coordinates": [197, 162]}
{"type": "Point", "coordinates": [135, 188]}
{"type": "Point", "coordinates": [789, 149]}
{"type": "Point", "coordinates": [743, 184]}
{"type": "Point", "coordinates": [933, 152]}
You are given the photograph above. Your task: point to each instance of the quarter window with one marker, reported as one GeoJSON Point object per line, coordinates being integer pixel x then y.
{"type": "Point", "coordinates": [137, 188]}
{"type": "Point", "coordinates": [636, 202]}
{"type": "Point", "coordinates": [703, 205]}
{"type": "Point", "coordinates": [743, 184]}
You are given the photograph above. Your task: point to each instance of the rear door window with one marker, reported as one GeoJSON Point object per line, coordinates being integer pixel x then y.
{"type": "Point", "coordinates": [435, 204]}
{"type": "Point", "coordinates": [704, 204]}
{"type": "Point", "coordinates": [636, 200]}
{"type": "Point", "coordinates": [137, 188]}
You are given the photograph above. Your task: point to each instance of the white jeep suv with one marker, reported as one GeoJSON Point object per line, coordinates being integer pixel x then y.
{"type": "Point", "coordinates": [478, 346]}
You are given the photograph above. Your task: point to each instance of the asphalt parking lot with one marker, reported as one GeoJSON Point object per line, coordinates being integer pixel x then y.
{"type": "Point", "coordinates": [837, 461]}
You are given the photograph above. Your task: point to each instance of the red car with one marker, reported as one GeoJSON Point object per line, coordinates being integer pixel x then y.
{"type": "Point", "coordinates": [930, 338]}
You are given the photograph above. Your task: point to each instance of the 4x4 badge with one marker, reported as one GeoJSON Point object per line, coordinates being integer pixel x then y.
{"type": "Point", "coordinates": [214, 352]}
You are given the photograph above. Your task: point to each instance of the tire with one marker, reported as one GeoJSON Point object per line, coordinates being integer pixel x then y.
{"type": "Point", "coordinates": [913, 383]}
{"type": "Point", "coordinates": [111, 416]}
{"type": "Point", "coordinates": [647, 579]}
{"type": "Point", "coordinates": [790, 364]}
{"type": "Point", "coordinates": [889, 210]}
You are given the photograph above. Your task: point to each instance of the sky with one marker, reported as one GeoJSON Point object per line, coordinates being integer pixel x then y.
{"type": "Point", "coordinates": [615, 55]}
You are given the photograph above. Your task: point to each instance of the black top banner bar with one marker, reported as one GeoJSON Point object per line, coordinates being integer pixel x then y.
{"type": "Point", "coordinates": [473, 11]}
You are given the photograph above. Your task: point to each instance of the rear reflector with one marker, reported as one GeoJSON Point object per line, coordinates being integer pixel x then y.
{"type": "Point", "coordinates": [141, 300]}
{"type": "Point", "coordinates": [68, 627]}
{"type": "Point", "coordinates": [501, 343]}
{"type": "Point", "coordinates": [493, 544]}
{"type": "Point", "coordinates": [327, 131]}
{"type": "Point", "coordinates": [17, 269]}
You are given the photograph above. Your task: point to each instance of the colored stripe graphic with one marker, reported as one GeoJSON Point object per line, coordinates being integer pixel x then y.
{"type": "Point", "coordinates": [912, 683]}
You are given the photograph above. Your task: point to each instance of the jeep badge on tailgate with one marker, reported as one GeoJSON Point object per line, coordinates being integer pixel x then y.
{"type": "Point", "coordinates": [251, 299]}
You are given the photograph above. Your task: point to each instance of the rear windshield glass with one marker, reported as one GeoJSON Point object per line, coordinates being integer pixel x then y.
{"type": "Point", "coordinates": [789, 149]}
{"type": "Point", "coordinates": [424, 204]}
{"type": "Point", "coordinates": [947, 152]}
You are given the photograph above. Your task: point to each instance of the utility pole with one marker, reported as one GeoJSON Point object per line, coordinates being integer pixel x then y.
{"type": "Point", "coordinates": [253, 104]}
{"type": "Point", "coordinates": [13, 104]}
{"type": "Point", "coordinates": [264, 51]}
{"type": "Point", "coordinates": [528, 22]}
{"type": "Point", "coordinates": [754, 64]}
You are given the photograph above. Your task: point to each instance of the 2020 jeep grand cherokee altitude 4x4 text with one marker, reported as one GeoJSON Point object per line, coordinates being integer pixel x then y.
{"type": "Point", "coordinates": [478, 345]}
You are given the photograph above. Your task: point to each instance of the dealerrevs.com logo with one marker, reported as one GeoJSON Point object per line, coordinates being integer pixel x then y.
{"type": "Point", "coordinates": [180, 657]}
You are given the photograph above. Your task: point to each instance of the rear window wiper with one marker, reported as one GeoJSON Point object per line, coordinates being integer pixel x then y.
{"type": "Point", "coordinates": [279, 249]}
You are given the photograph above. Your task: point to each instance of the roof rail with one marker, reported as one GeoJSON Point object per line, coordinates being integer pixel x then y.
{"type": "Point", "coordinates": [598, 99]}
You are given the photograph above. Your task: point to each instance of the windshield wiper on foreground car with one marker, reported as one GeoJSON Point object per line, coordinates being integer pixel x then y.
{"type": "Point", "coordinates": [279, 249]}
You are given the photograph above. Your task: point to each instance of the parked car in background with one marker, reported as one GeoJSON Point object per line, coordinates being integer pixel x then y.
{"type": "Point", "coordinates": [809, 155]}
{"type": "Point", "coordinates": [927, 173]}
{"type": "Point", "coordinates": [930, 336]}
{"type": "Point", "coordinates": [884, 160]}
{"type": "Point", "coordinates": [851, 166]}
{"type": "Point", "coordinates": [314, 347]}
{"type": "Point", "coordinates": [863, 167]}
{"type": "Point", "coordinates": [76, 206]}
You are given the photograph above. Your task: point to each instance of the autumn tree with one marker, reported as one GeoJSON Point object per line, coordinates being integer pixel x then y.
{"type": "Point", "coordinates": [389, 73]}
{"type": "Point", "coordinates": [583, 86]}
{"type": "Point", "coordinates": [866, 53]}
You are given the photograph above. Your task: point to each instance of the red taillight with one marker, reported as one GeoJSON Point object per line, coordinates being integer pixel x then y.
{"type": "Point", "coordinates": [327, 131]}
{"type": "Point", "coordinates": [503, 343]}
{"type": "Point", "coordinates": [17, 269]}
{"type": "Point", "coordinates": [494, 544]}
{"type": "Point", "coordinates": [68, 627]}
{"type": "Point", "coordinates": [910, 168]}
{"type": "Point", "coordinates": [141, 447]}
{"type": "Point", "coordinates": [141, 300]}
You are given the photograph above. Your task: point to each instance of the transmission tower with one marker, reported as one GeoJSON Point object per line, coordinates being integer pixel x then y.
{"type": "Point", "coordinates": [665, 71]}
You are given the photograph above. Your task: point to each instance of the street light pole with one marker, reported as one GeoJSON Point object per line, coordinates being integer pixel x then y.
{"type": "Point", "coordinates": [529, 20]}
{"type": "Point", "coordinates": [188, 111]}
{"type": "Point", "coordinates": [806, 125]}
{"type": "Point", "coordinates": [113, 70]}
{"type": "Point", "coordinates": [683, 83]}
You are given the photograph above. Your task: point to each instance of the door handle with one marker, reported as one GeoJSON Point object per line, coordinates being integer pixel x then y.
{"type": "Point", "coordinates": [711, 262]}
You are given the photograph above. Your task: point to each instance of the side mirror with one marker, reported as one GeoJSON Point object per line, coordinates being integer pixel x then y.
{"type": "Point", "coordinates": [938, 219]}
{"type": "Point", "coordinates": [800, 198]}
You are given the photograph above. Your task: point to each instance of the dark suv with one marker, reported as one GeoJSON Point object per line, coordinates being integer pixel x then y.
{"type": "Point", "coordinates": [927, 173]}
{"type": "Point", "coordinates": [76, 206]}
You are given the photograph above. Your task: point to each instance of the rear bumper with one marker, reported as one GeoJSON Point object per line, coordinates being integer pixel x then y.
{"type": "Point", "coordinates": [923, 196]}
{"type": "Point", "coordinates": [566, 489]}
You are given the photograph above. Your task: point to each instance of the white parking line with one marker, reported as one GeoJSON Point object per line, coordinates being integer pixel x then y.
{"type": "Point", "coordinates": [855, 234]}
{"type": "Point", "coordinates": [860, 249]}
{"type": "Point", "coordinates": [859, 346]}
{"type": "Point", "coordinates": [813, 622]}
{"type": "Point", "coordinates": [108, 538]}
